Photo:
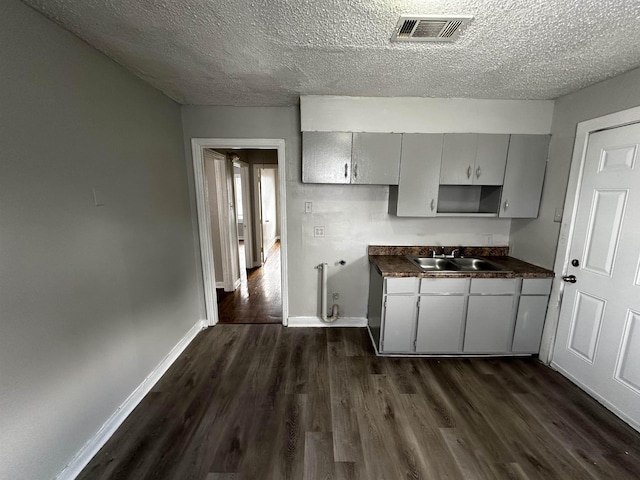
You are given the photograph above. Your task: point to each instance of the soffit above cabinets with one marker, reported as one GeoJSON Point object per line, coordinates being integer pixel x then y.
{"type": "Point", "coordinates": [260, 52]}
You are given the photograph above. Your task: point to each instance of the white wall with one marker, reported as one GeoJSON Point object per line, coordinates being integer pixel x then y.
{"type": "Point", "coordinates": [92, 298]}
{"type": "Point", "coordinates": [536, 240]}
{"type": "Point", "coordinates": [424, 115]}
{"type": "Point", "coordinates": [354, 216]}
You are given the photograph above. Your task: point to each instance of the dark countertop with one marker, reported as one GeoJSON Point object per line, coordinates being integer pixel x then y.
{"type": "Point", "coordinates": [397, 265]}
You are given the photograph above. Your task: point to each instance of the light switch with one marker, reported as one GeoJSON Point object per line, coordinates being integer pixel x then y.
{"type": "Point", "coordinates": [557, 217]}
{"type": "Point", "coordinates": [318, 231]}
{"type": "Point", "coordinates": [307, 207]}
{"type": "Point", "coordinates": [98, 200]}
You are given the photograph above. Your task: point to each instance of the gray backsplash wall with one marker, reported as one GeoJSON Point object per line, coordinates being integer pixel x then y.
{"type": "Point", "coordinates": [91, 298]}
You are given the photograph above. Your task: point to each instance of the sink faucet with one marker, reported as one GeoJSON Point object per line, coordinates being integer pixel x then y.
{"type": "Point", "coordinates": [454, 252]}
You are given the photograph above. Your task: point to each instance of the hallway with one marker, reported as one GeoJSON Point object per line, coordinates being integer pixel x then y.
{"type": "Point", "coordinates": [258, 299]}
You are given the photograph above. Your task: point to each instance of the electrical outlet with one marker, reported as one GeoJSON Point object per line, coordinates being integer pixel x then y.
{"type": "Point", "coordinates": [318, 231]}
{"type": "Point", "coordinates": [308, 207]}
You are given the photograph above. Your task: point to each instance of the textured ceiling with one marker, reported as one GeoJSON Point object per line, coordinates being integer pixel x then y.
{"type": "Point", "coordinates": [269, 52]}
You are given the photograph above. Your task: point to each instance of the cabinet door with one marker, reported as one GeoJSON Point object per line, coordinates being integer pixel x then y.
{"type": "Point", "coordinates": [326, 157]}
{"type": "Point", "coordinates": [440, 324]}
{"type": "Point", "coordinates": [458, 158]}
{"type": "Point", "coordinates": [491, 159]}
{"type": "Point", "coordinates": [529, 323]}
{"type": "Point", "coordinates": [374, 310]}
{"type": "Point", "coordinates": [417, 194]}
{"type": "Point", "coordinates": [399, 319]}
{"type": "Point", "coordinates": [489, 324]}
{"type": "Point", "coordinates": [376, 158]}
{"type": "Point", "coordinates": [524, 176]}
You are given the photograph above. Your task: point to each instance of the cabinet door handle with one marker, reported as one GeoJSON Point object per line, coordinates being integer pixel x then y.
{"type": "Point", "coordinates": [506, 205]}
{"type": "Point", "coordinates": [469, 172]}
{"type": "Point", "coordinates": [478, 172]}
{"type": "Point", "coordinates": [433, 204]}
{"type": "Point", "coordinates": [355, 171]}
{"type": "Point", "coordinates": [346, 170]}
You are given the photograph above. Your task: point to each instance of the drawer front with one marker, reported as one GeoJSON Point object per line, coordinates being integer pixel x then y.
{"type": "Point", "coordinates": [536, 286]}
{"type": "Point", "coordinates": [443, 285]}
{"type": "Point", "coordinates": [493, 286]}
{"type": "Point", "coordinates": [408, 285]}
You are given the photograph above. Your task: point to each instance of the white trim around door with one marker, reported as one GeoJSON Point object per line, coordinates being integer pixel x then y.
{"type": "Point", "coordinates": [561, 265]}
{"type": "Point", "coordinates": [204, 223]}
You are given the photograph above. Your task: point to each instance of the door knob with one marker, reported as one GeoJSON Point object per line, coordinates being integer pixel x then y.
{"type": "Point", "coordinates": [570, 278]}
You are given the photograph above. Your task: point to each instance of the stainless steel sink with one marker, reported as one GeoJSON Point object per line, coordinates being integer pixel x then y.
{"type": "Point", "coordinates": [477, 265]}
{"type": "Point", "coordinates": [429, 264]}
{"type": "Point", "coordinates": [467, 264]}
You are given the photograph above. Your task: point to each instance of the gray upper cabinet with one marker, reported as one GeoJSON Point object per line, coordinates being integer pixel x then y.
{"type": "Point", "coordinates": [473, 159]}
{"type": "Point", "coordinates": [326, 157]}
{"type": "Point", "coordinates": [491, 158]}
{"type": "Point", "coordinates": [417, 192]}
{"type": "Point", "coordinates": [458, 158]}
{"type": "Point", "coordinates": [375, 158]}
{"type": "Point", "coordinates": [524, 176]}
{"type": "Point", "coordinates": [356, 158]}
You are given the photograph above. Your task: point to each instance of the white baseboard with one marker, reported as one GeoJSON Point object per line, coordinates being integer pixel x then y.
{"type": "Point", "coordinates": [219, 284]}
{"type": "Point", "coordinates": [317, 322]}
{"type": "Point", "coordinates": [88, 451]}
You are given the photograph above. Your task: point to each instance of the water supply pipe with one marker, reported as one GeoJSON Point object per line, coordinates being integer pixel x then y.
{"type": "Point", "coordinates": [335, 309]}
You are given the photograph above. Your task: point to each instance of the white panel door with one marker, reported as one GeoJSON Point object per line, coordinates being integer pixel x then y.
{"type": "Point", "coordinates": [268, 208]}
{"type": "Point", "coordinates": [598, 338]}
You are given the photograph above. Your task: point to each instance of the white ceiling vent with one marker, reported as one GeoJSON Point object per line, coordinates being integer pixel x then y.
{"type": "Point", "coordinates": [413, 28]}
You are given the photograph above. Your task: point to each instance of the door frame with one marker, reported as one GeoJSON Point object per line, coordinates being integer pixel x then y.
{"type": "Point", "coordinates": [584, 129]}
{"type": "Point", "coordinates": [204, 220]}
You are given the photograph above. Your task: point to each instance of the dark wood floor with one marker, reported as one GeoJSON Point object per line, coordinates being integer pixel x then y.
{"type": "Point", "coordinates": [268, 402]}
{"type": "Point", "coordinates": [258, 299]}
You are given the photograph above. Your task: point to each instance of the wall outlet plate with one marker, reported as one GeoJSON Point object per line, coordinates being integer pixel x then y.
{"type": "Point", "coordinates": [318, 231]}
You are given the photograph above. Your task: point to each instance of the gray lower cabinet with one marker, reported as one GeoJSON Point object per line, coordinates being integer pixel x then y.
{"type": "Point", "coordinates": [532, 310]}
{"type": "Point", "coordinates": [489, 324]}
{"type": "Point", "coordinates": [399, 314]}
{"type": "Point", "coordinates": [457, 315]}
{"type": "Point", "coordinates": [440, 324]}
{"type": "Point", "coordinates": [490, 315]}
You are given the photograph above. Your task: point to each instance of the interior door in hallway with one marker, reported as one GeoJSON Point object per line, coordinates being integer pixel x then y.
{"type": "Point", "coordinates": [598, 338]}
{"type": "Point", "coordinates": [268, 208]}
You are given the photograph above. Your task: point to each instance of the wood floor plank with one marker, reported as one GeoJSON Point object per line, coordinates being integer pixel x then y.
{"type": "Point", "coordinates": [318, 456]}
{"type": "Point", "coordinates": [247, 402]}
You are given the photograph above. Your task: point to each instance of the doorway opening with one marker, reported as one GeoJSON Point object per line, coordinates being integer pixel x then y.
{"type": "Point", "coordinates": [256, 295]}
{"type": "Point", "coordinates": [240, 190]}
